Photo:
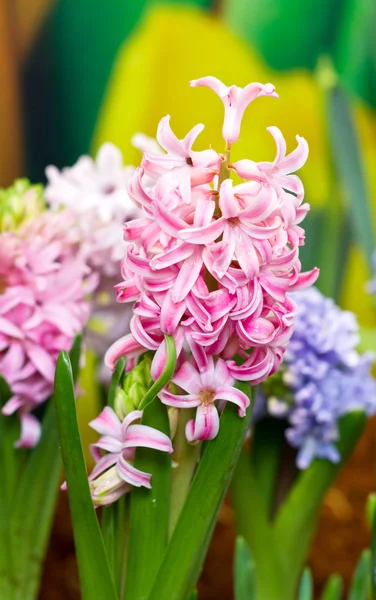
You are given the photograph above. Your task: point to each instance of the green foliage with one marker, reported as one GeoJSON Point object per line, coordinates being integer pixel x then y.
{"type": "Point", "coordinates": [244, 572]}
{"type": "Point", "coordinates": [95, 577]}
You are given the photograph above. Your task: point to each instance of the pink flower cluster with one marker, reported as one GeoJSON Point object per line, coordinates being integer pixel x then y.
{"type": "Point", "coordinates": [43, 283]}
{"type": "Point", "coordinates": [211, 262]}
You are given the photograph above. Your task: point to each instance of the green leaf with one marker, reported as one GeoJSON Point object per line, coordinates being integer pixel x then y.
{"type": "Point", "coordinates": [186, 551]}
{"type": "Point", "coordinates": [150, 509]}
{"type": "Point", "coordinates": [346, 153]}
{"type": "Point", "coordinates": [306, 586]}
{"type": "Point", "coordinates": [268, 437]}
{"type": "Point", "coordinates": [333, 589]}
{"type": "Point", "coordinates": [288, 35]}
{"type": "Point", "coordinates": [166, 374]}
{"type": "Point", "coordinates": [115, 380]}
{"type": "Point", "coordinates": [373, 547]}
{"type": "Point", "coordinates": [32, 513]}
{"type": "Point", "coordinates": [360, 581]}
{"type": "Point", "coordinates": [95, 577]}
{"type": "Point", "coordinates": [115, 534]}
{"type": "Point", "coordinates": [75, 355]}
{"type": "Point", "coordinates": [253, 524]}
{"type": "Point", "coordinates": [244, 571]}
{"type": "Point", "coordinates": [297, 517]}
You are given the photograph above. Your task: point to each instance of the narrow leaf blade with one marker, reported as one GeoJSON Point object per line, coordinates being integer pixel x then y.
{"type": "Point", "coordinates": [333, 589]}
{"type": "Point", "coordinates": [95, 577]}
{"type": "Point", "coordinates": [115, 379]}
{"type": "Point", "coordinates": [306, 586]}
{"type": "Point", "coordinates": [360, 581]}
{"type": "Point", "coordinates": [347, 159]}
{"type": "Point", "coordinates": [150, 511]}
{"type": "Point", "coordinates": [244, 571]}
{"type": "Point", "coordinates": [186, 551]}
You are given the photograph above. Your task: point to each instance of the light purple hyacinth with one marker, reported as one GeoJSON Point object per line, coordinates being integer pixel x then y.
{"type": "Point", "coordinates": [326, 375]}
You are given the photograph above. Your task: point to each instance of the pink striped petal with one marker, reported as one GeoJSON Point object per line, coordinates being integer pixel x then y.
{"type": "Point", "coordinates": [296, 159]}
{"type": "Point", "coordinates": [110, 444]}
{"type": "Point", "coordinates": [132, 475]}
{"type": "Point", "coordinates": [9, 328]}
{"type": "Point", "coordinates": [171, 313]}
{"type": "Point", "coordinates": [188, 275]}
{"type": "Point", "coordinates": [188, 378]}
{"type": "Point", "coordinates": [125, 346]}
{"type": "Point", "coordinates": [107, 423]}
{"type": "Point", "coordinates": [205, 426]}
{"type": "Point", "coordinates": [171, 257]}
{"type": "Point", "coordinates": [12, 405]}
{"type": "Point", "coordinates": [169, 222]}
{"type": "Point", "coordinates": [104, 463]}
{"type": "Point", "coordinates": [305, 280]}
{"type": "Point", "coordinates": [147, 437]}
{"type": "Point", "coordinates": [204, 212]}
{"type": "Point", "coordinates": [203, 235]}
{"type": "Point", "coordinates": [231, 394]}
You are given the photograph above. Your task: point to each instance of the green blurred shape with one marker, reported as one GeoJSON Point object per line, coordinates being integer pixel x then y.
{"type": "Point", "coordinates": [355, 49]}
{"type": "Point", "coordinates": [67, 73]}
{"type": "Point", "coordinates": [288, 33]}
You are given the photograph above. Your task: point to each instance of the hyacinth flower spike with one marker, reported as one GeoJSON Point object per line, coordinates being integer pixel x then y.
{"type": "Point", "coordinates": [113, 474]}
{"type": "Point", "coordinates": [235, 100]}
{"type": "Point", "coordinates": [204, 390]}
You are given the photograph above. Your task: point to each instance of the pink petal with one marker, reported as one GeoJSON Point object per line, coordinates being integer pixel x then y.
{"type": "Point", "coordinates": [9, 328]}
{"type": "Point", "coordinates": [30, 432]}
{"type": "Point", "coordinates": [132, 475]}
{"type": "Point", "coordinates": [205, 426]}
{"type": "Point", "coordinates": [107, 423]}
{"type": "Point", "coordinates": [231, 394]}
{"type": "Point", "coordinates": [191, 137]}
{"type": "Point", "coordinates": [147, 437]}
{"type": "Point", "coordinates": [246, 254]}
{"type": "Point", "coordinates": [203, 235]}
{"type": "Point", "coordinates": [110, 444]}
{"type": "Point", "coordinates": [125, 346]}
{"type": "Point", "coordinates": [169, 222]}
{"type": "Point", "coordinates": [279, 142]}
{"type": "Point", "coordinates": [171, 314]}
{"type": "Point", "coordinates": [171, 257]}
{"type": "Point", "coordinates": [188, 275]}
{"type": "Point", "coordinates": [179, 401]}
{"type": "Point", "coordinates": [229, 205]}
{"type": "Point", "coordinates": [188, 378]}
{"type": "Point", "coordinates": [296, 159]}
{"type": "Point", "coordinates": [204, 212]}
{"type": "Point", "coordinates": [211, 82]}
{"type": "Point", "coordinates": [41, 359]}
{"type": "Point", "coordinates": [306, 279]}
{"type": "Point", "coordinates": [167, 139]}
{"type": "Point", "coordinates": [104, 463]}
{"type": "Point", "coordinates": [12, 405]}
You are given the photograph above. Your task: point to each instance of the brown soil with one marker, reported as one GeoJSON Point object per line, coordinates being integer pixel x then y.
{"type": "Point", "coordinates": [341, 536]}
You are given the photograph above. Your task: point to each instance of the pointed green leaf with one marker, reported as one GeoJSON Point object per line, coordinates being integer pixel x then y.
{"type": "Point", "coordinates": [268, 437]}
{"type": "Point", "coordinates": [371, 505]}
{"type": "Point", "coordinates": [150, 510]}
{"type": "Point", "coordinates": [33, 509]}
{"type": "Point", "coordinates": [75, 355]}
{"type": "Point", "coordinates": [186, 551]}
{"type": "Point", "coordinates": [244, 571]}
{"type": "Point", "coordinates": [333, 589]}
{"type": "Point", "coordinates": [347, 159]}
{"type": "Point", "coordinates": [95, 577]}
{"type": "Point", "coordinates": [360, 581]}
{"type": "Point", "coordinates": [306, 586]}
{"type": "Point", "coordinates": [296, 520]}
{"type": "Point", "coordinates": [114, 526]}
{"type": "Point", "coordinates": [115, 380]}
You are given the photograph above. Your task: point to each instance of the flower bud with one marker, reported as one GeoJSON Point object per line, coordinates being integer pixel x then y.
{"type": "Point", "coordinates": [135, 386]}
{"type": "Point", "coordinates": [20, 203]}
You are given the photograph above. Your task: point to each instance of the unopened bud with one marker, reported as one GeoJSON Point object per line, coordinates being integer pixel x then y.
{"type": "Point", "coordinates": [20, 203]}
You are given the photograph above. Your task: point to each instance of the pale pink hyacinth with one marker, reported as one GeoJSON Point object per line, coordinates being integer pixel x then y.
{"type": "Point", "coordinates": [211, 263]}
{"type": "Point", "coordinates": [114, 473]}
{"type": "Point", "coordinates": [96, 191]}
{"type": "Point", "coordinates": [204, 390]}
{"type": "Point", "coordinates": [44, 281]}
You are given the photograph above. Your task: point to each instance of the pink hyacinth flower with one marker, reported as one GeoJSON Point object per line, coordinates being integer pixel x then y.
{"type": "Point", "coordinates": [204, 390]}
{"type": "Point", "coordinates": [235, 100]}
{"type": "Point", "coordinates": [278, 172]}
{"type": "Point", "coordinates": [114, 472]}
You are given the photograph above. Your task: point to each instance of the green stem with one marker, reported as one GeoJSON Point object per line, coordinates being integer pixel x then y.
{"type": "Point", "coordinates": [166, 374]}
{"type": "Point", "coordinates": [253, 524]}
{"type": "Point", "coordinates": [186, 456]}
{"type": "Point", "coordinates": [224, 172]}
